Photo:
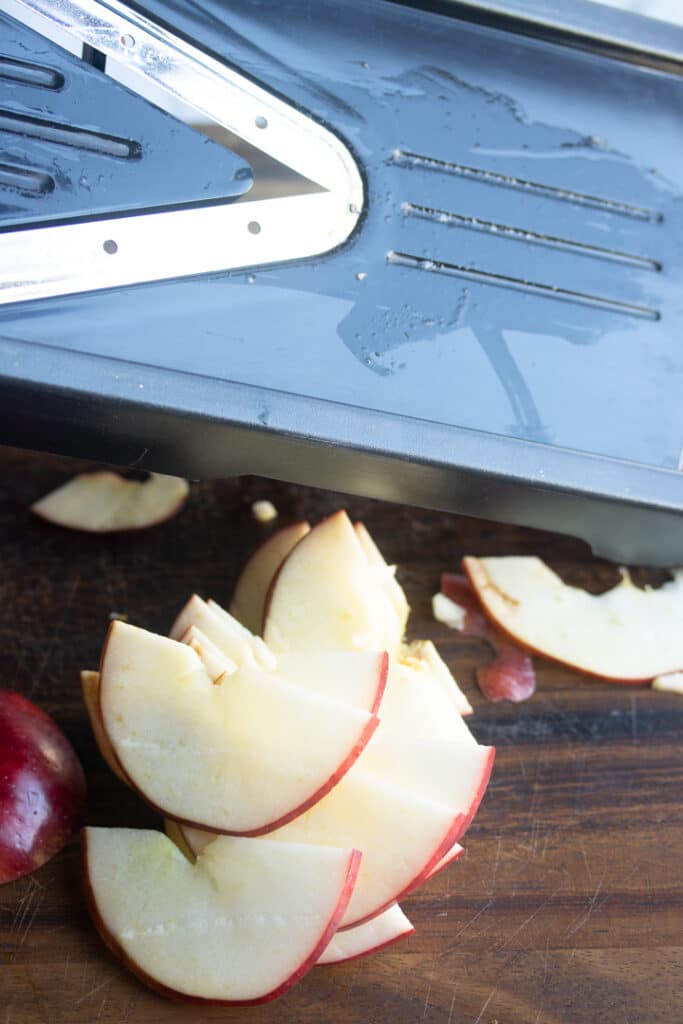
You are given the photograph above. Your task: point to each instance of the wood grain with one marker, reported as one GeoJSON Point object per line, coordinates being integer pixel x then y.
{"type": "Point", "coordinates": [567, 907]}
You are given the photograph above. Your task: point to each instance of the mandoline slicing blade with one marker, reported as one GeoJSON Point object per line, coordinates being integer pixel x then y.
{"type": "Point", "coordinates": [499, 335]}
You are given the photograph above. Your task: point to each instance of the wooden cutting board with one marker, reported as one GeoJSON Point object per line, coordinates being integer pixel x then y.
{"type": "Point", "coordinates": [567, 907]}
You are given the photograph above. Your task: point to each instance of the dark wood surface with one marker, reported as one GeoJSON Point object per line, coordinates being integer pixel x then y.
{"type": "Point", "coordinates": [567, 907]}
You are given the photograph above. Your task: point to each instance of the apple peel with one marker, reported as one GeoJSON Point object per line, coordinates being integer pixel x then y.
{"type": "Point", "coordinates": [42, 787]}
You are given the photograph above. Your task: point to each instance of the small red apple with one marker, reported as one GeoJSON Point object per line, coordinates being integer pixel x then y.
{"type": "Point", "coordinates": [42, 787]}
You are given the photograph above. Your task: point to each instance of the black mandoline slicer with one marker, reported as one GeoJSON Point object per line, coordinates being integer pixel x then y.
{"type": "Point", "coordinates": [431, 253]}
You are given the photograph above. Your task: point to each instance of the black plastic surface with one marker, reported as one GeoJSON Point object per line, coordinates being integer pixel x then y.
{"type": "Point", "coordinates": [519, 357]}
{"type": "Point", "coordinates": [73, 143]}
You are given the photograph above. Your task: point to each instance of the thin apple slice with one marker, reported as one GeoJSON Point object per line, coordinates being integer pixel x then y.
{"type": "Point", "coordinates": [249, 599]}
{"type": "Point", "coordinates": [175, 833]}
{"type": "Point", "coordinates": [402, 837]}
{"type": "Point", "coordinates": [90, 688]}
{"type": "Point", "coordinates": [104, 502]}
{"type": "Point", "coordinates": [393, 589]}
{"type": "Point", "coordinates": [224, 631]}
{"type": "Point", "coordinates": [455, 851]}
{"type": "Point", "coordinates": [242, 757]}
{"type": "Point", "coordinates": [356, 678]}
{"type": "Point", "coordinates": [627, 634]}
{"type": "Point", "coordinates": [242, 925]}
{"type": "Point", "coordinates": [326, 596]}
{"type": "Point", "coordinates": [383, 930]}
{"type": "Point", "coordinates": [452, 771]}
{"type": "Point", "coordinates": [423, 655]}
{"type": "Point", "coordinates": [671, 683]}
{"type": "Point", "coordinates": [215, 662]}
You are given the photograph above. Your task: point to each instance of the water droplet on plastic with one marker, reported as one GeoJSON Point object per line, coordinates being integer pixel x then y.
{"type": "Point", "coordinates": [361, 275]}
{"type": "Point", "coordinates": [250, 278]}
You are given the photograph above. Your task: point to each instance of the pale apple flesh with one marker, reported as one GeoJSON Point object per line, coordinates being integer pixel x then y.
{"type": "Point", "coordinates": [448, 858]}
{"type": "Point", "coordinates": [227, 634]}
{"type": "Point", "coordinates": [249, 597]}
{"type": "Point", "coordinates": [42, 787]}
{"type": "Point", "coordinates": [104, 502]}
{"type": "Point", "coordinates": [402, 837]}
{"type": "Point", "coordinates": [383, 930]}
{"type": "Point", "coordinates": [627, 634]}
{"type": "Point", "coordinates": [242, 757]}
{"type": "Point", "coordinates": [356, 678]}
{"type": "Point", "coordinates": [327, 597]}
{"type": "Point", "coordinates": [240, 926]}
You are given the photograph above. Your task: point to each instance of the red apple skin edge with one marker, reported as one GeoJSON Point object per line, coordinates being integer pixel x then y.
{"type": "Point", "coordinates": [270, 826]}
{"type": "Point", "coordinates": [180, 997]}
{"type": "Point", "coordinates": [535, 650]}
{"type": "Point", "coordinates": [42, 787]}
{"type": "Point", "coordinates": [453, 833]}
{"type": "Point", "coordinates": [271, 585]}
{"type": "Point", "coordinates": [481, 789]}
{"type": "Point", "coordinates": [374, 949]}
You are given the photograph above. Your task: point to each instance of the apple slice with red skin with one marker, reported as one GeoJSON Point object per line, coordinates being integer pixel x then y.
{"type": "Point", "coordinates": [327, 597]}
{"type": "Point", "coordinates": [242, 757]}
{"type": "Point", "coordinates": [104, 502]}
{"type": "Point", "coordinates": [378, 818]}
{"type": "Point", "coordinates": [453, 771]}
{"type": "Point", "coordinates": [42, 787]}
{"type": "Point", "coordinates": [224, 631]}
{"type": "Point", "coordinates": [628, 634]}
{"type": "Point", "coordinates": [448, 858]}
{"type": "Point", "coordinates": [383, 930]}
{"type": "Point", "coordinates": [356, 678]}
{"type": "Point", "coordinates": [249, 597]}
{"type": "Point", "coordinates": [240, 926]}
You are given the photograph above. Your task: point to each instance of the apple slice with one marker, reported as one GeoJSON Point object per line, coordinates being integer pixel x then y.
{"type": "Point", "coordinates": [327, 597]}
{"type": "Point", "coordinates": [90, 688]}
{"type": "Point", "coordinates": [388, 579]}
{"type": "Point", "coordinates": [423, 656]}
{"type": "Point", "coordinates": [627, 634]}
{"type": "Point", "coordinates": [452, 771]}
{"type": "Point", "coordinates": [242, 757]}
{"type": "Point", "coordinates": [42, 787]}
{"type": "Point", "coordinates": [383, 930]}
{"type": "Point", "coordinates": [215, 662]}
{"type": "Point", "coordinates": [251, 589]}
{"type": "Point", "coordinates": [242, 925]}
{"type": "Point", "coordinates": [224, 631]}
{"type": "Point", "coordinates": [105, 502]}
{"type": "Point", "coordinates": [402, 837]}
{"type": "Point", "coordinates": [356, 678]}
{"type": "Point", "coordinates": [455, 851]}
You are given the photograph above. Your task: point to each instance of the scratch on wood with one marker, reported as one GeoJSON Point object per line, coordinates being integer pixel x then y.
{"type": "Point", "coordinates": [483, 1009]}
{"type": "Point", "coordinates": [93, 991]}
{"type": "Point", "coordinates": [593, 904]}
{"type": "Point", "coordinates": [452, 1006]}
{"type": "Point", "coordinates": [527, 920]}
{"type": "Point", "coordinates": [429, 992]}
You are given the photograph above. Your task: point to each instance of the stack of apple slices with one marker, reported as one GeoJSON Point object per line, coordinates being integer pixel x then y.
{"type": "Point", "coordinates": [329, 739]}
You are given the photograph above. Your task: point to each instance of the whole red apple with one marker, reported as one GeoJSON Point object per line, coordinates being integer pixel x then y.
{"type": "Point", "coordinates": [42, 787]}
